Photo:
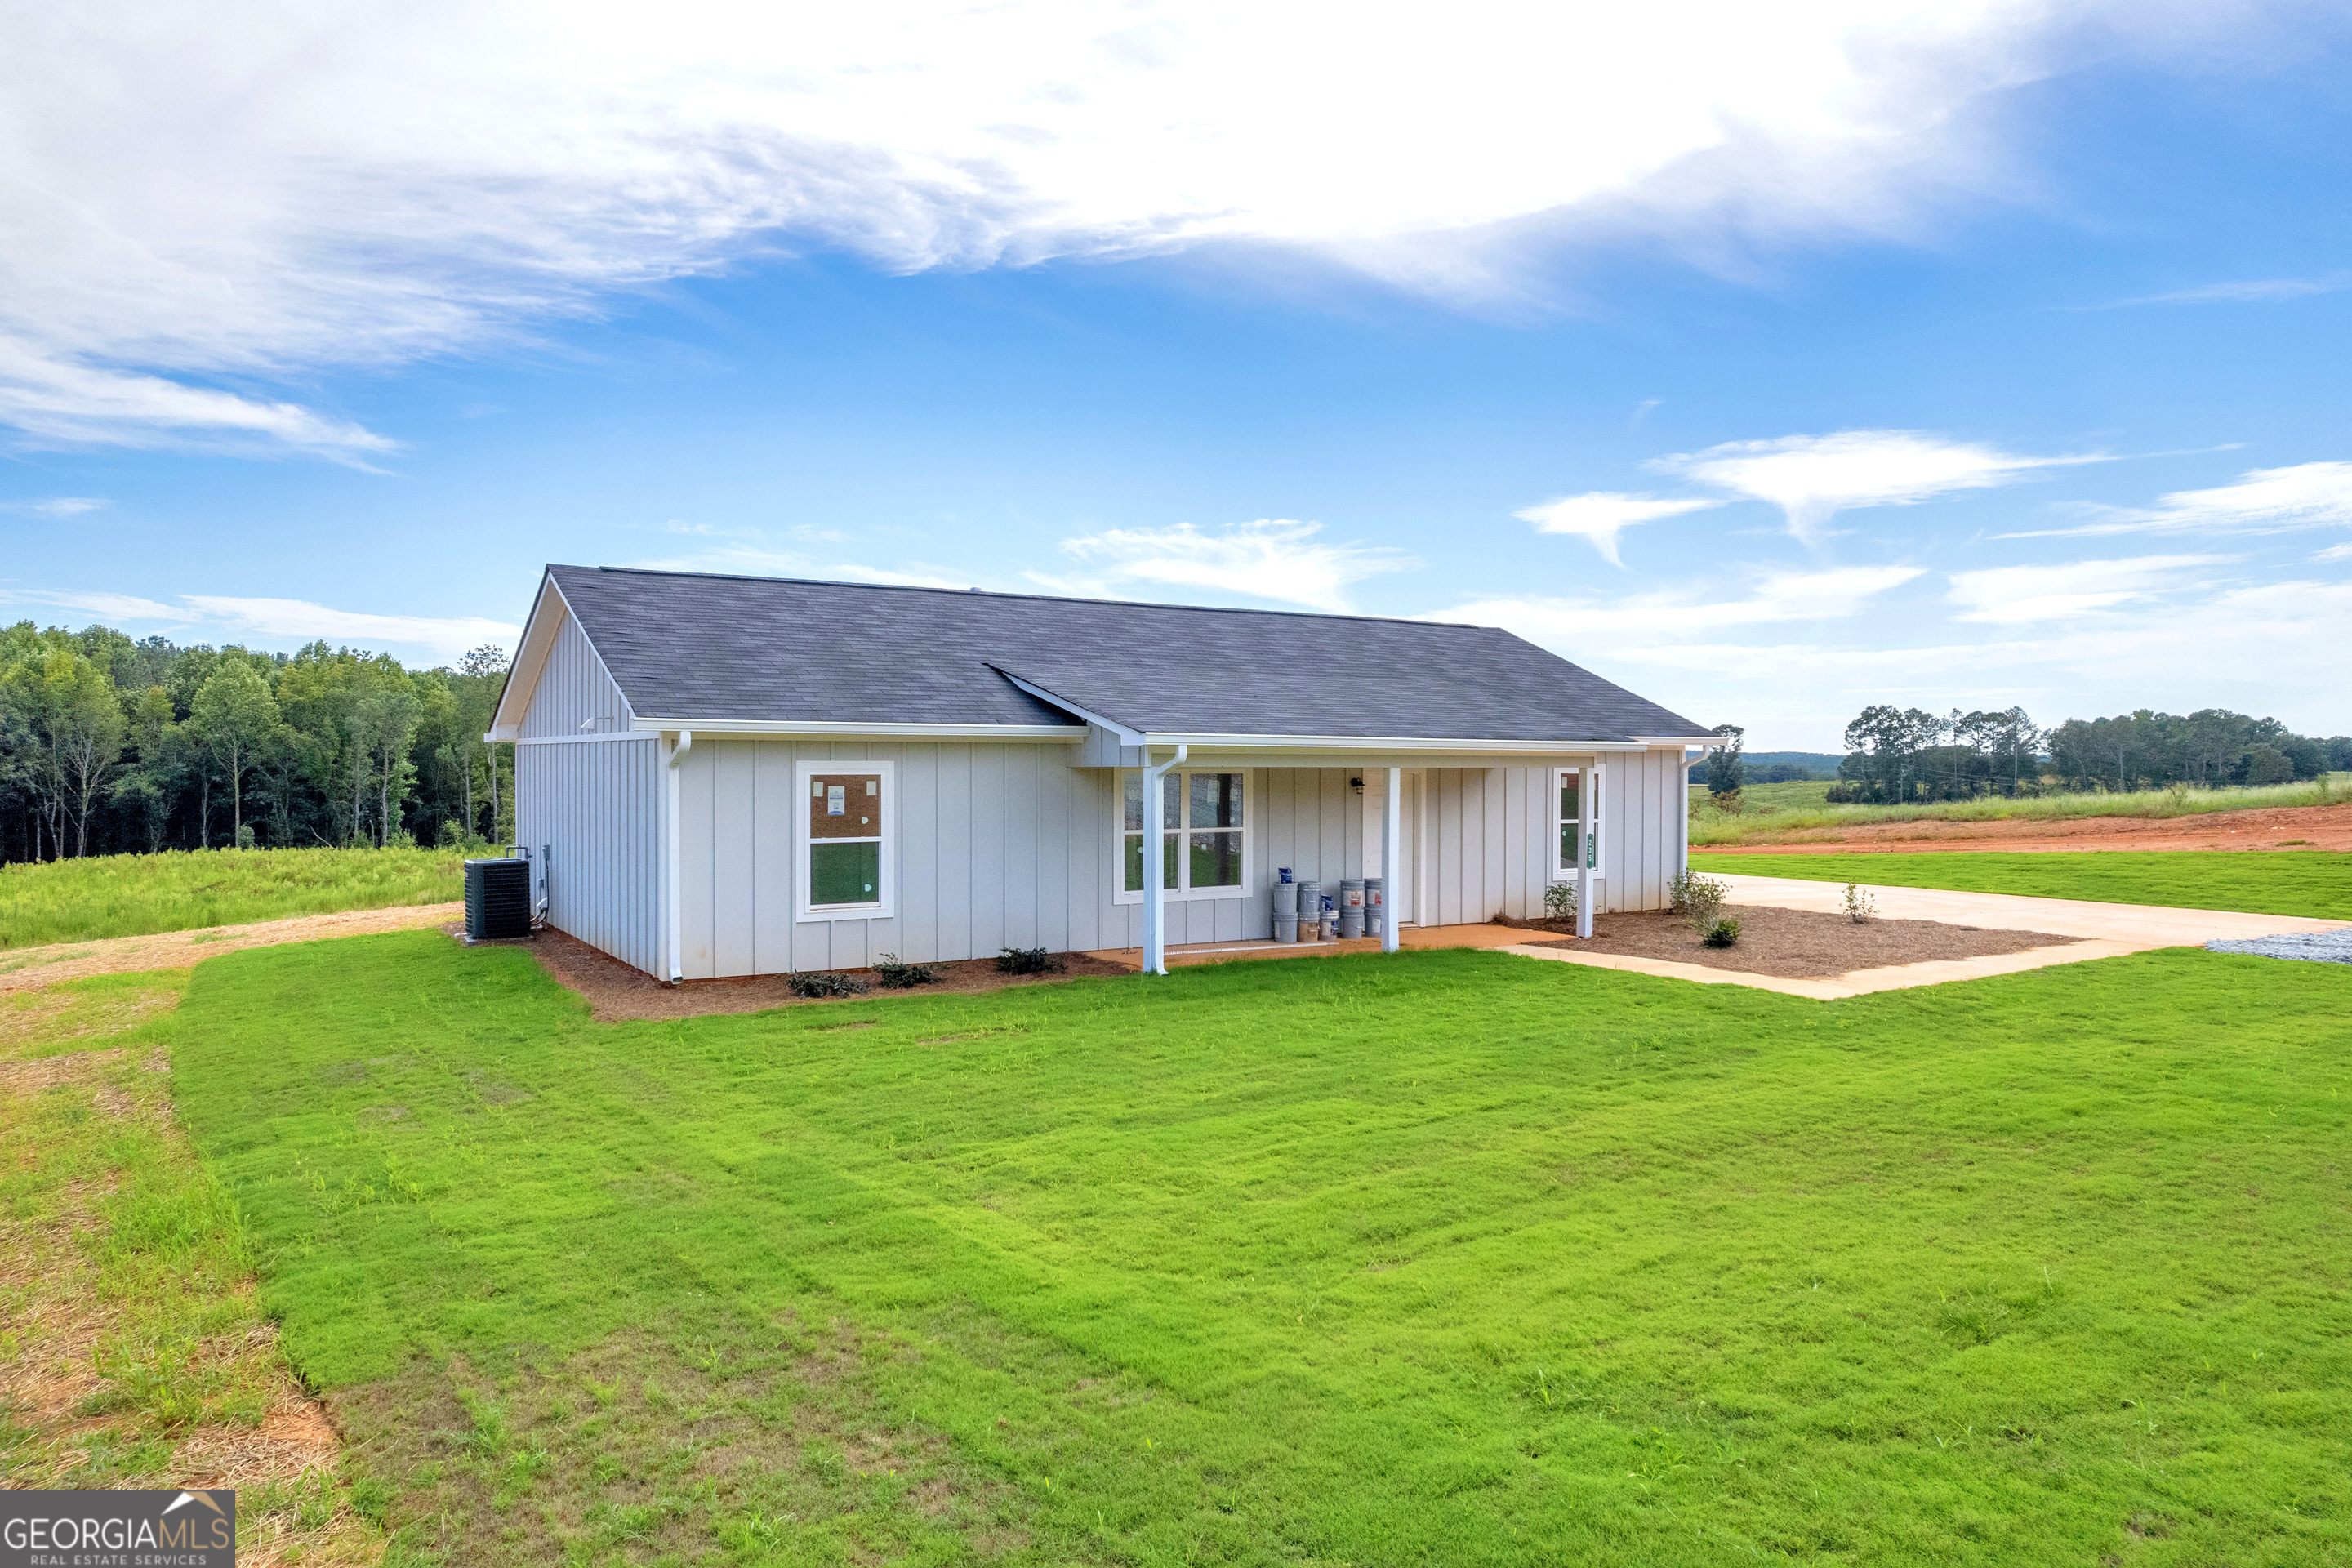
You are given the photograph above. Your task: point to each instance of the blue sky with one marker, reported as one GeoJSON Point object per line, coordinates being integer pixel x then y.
{"type": "Point", "coordinates": [1937, 356]}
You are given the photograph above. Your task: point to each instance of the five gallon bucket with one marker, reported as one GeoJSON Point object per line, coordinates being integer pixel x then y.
{"type": "Point", "coordinates": [1351, 909]}
{"type": "Point", "coordinates": [1375, 910]}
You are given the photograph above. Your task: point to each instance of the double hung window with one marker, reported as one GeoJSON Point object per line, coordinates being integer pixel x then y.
{"type": "Point", "coordinates": [1203, 837]}
{"type": "Point", "coordinates": [1572, 780]}
{"type": "Point", "coordinates": [845, 858]}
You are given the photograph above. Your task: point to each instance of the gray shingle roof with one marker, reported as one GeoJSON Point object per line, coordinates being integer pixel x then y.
{"type": "Point", "coordinates": [705, 647]}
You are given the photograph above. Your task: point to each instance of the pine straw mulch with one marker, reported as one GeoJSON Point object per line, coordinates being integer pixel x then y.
{"type": "Point", "coordinates": [1792, 944]}
{"type": "Point", "coordinates": [618, 993]}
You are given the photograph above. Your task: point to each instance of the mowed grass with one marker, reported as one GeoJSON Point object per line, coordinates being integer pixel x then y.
{"type": "Point", "coordinates": [1445, 1257]}
{"type": "Point", "coordinates": [133, 895]}
{"type": "Point", "coordinates": [1772, 813]}
{"type": "Point", "coordinates": [2315, 883]}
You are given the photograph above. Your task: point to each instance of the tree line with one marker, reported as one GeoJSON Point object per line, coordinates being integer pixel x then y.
{"type": "Point", "coordinates": [110, 745]}
{"type": "Point", "coordinates": [1897, 756]}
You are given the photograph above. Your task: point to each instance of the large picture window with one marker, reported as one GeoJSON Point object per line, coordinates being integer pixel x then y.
{"type": "Point", "coordinates": [1203, 833]}
{"type": "Point", "coordinates": [846, 813]}
{"type": "Point", "coordinates": [1572, 780]}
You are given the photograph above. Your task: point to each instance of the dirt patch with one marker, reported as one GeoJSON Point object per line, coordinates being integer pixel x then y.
{"type": "Point", "coordinates": [618, 993]}
{"type": "Point", "coordinates": [2284, 827]}
{"type": "Point", "coordinates": [1800, 945]}
{"type": "Point", "coordinates": [27, 967]}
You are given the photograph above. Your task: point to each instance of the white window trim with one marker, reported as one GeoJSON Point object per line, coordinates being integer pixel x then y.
{"type": "Point", "coordinates": [1184, 862]}
{"type": "Point", "coordinates": [1600, 823]}
{"type": "Point", "coordinates": [887, 906]}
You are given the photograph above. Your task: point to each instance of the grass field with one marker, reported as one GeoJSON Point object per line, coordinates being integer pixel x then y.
{"type": "Point", "coordinates": [1444, 1257]}
{"type": "Point", "coordinates": [1774, 811]}
{"type": "Point", "coordinates": [2316, 883]}
{"type": "Point", "coordinates": [132, 895]}
{"type": "Point", "coordinates": [127, 1278]}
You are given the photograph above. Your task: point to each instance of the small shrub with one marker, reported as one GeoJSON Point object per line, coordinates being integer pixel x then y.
{"type": "Point", "coordinates": [1028, 960]}
{"type": "Point", "coordinates": [1860, 907]}
{"type": "Point", "coordinates": [1559, 901]}
{"type": "Point", "coordinates": [823, 983]}
{"type": "Point", "coordinates": [1728, 801]}
{"type": "Point", "coordinates": [900, 976]}
{"type": "Point", "coordinates": [1697, 898]}
{"type": "Point", "coordinates": [1842, 795]}
{"type": "Point", "coordinates": [1722, 934]}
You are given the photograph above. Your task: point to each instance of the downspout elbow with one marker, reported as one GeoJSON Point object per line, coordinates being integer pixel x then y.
{"type": "Point", "coordinates": [685, 744]}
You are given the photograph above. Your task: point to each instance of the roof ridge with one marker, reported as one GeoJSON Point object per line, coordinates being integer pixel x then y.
{"type": "Point", "coordinates": [1040, 598]}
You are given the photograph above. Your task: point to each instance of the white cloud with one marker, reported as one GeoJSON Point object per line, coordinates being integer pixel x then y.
{"type": "Point", "coordinates": [2335, 553]}
{"type": "Point", "coordinates": [1601, 515]}
{"type": "Point", "coordinates": [1273, 558]}
{"type": "Point", "coordinates": [2251, 291]}
{"type": "Point", "coordinates": [57, 506]}
{"type": "Point", "coordinates": [2264, 500]}
{"type": "Point", "coordinates": [267, 190]}
{"type": "Point", "coordinates": [1589, 629]}
{"type": "Point", "coordinates": [1812, 477]}
{"type": "Point", "coordinates": [111, 607]}
{"type": "Point", "coordinates": [282, 621]}
{"type": "Point", "coordinates": [2027, 593]}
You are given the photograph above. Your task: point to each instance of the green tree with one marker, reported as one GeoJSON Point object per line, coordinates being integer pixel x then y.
{"type": "Point", "coordinates": [234, 715]}
{"type": "Point", "coordinates": [69, 706]}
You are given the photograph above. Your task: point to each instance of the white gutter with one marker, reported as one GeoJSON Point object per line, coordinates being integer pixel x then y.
{"type": "Point", "coordinates": [1067, 733]}
{"type": "Point", "coordinates": [673, 892]}
{"type": "Point", "coordinates": [1155, 872]}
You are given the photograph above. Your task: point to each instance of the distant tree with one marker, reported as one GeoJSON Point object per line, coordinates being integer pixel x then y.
{"type": "Point", "coordinates": [234, 715]}
{"type": "Point", "coordinates": [1727, 773]}
{"type": "Point", "coordinates": [1883, 752]}
{"type": "Point", "coordinates": [69, 703]}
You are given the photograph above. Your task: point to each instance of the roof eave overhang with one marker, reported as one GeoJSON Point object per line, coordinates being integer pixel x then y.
{"type": "Point", "coordinates": [1349, 745]}
{"type": "Point", "coordinates": [851, 729]}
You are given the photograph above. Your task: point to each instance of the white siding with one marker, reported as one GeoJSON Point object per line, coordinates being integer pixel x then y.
{"type": "Point", "coordinates": [591, 814]}
{"type": "Point", "coordinates": [1010, 846]}
{"type": "Point", "coordinates": [573, 690]}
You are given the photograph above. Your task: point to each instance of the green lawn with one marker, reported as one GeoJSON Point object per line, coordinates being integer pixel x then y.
{"type": "Point", "coordinates": [2316, 883]}
{"type": "Point", "coordinates": [1448, 1258]}
{"type": "Point", "coordinates": [131, 895]}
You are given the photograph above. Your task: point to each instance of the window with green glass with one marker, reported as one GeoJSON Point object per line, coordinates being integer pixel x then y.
{"type": "Point", "coordinates": [1200, 830]}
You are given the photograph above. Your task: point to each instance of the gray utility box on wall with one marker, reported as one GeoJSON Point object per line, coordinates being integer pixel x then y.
{"type": "Point", "coordinates": [498, 899]}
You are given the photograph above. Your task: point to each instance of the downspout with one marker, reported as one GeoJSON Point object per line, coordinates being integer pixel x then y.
{"type": "Point", "coordinates": [672, 902]}
{"type": "Point", "coordinates": [1588, 785]}
{"type": "Point", "coordinates": [1155, 856]}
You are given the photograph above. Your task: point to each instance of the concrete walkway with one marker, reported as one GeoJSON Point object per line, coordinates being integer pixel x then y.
{"type": "Point", "coordinates": [2101, 930]}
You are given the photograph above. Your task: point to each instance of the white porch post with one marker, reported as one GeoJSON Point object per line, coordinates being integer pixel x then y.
{"type": "Point", "coordinates": [1587, 782]}
{"type": "Point", "coordinates": [1392, 860]}
{"type": "Point", "coordinates": [1155, 858]}
{"type": "Point", "coordinates": [672, 900]}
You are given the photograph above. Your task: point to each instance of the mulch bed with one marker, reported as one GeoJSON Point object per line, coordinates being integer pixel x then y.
{"type": "Point", "coordinates": [618, 993]}
{"type": "Point", "coordinates": [1792, 945]}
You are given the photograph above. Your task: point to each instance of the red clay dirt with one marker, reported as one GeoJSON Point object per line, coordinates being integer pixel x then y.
{"type": "Point", "coordinates": [2269, 828]}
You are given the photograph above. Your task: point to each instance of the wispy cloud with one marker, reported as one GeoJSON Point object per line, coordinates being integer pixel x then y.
{"type": "Point", "coordinates": [2335, 553]}
{"type": "Point", "coordinates": [1812, 479]}
{"type": "Point", "coordinates": [299, 191]}
{"type": "Point", "coordinates": [1273, 558]}
{"type": "Point", "coordinates": [1601, 515]}
{"type": "Point", "coordinates": [2250, 291]}
{"type": "Point", "coordinates": [282, 621]}
{"type": "Point", "coordinates": [2018, 595]}
{"type": "Point", "coordinates": [1586, 629]}
{"type": "Point", "coordinates": [57, 506]}
{"type": "Point", "coordinates": [2262, 500]}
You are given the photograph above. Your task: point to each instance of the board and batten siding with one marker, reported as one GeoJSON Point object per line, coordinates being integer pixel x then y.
{"type": "Point", "coordinates": [1010, 846]}
{"type": "Point", "coordinates": [574, 690]}
{"type": "Point", "coordinates": [588, 806]}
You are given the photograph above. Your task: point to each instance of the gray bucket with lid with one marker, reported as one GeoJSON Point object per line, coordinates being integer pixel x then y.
{"type": "Point", "coordinates": [1286, 899]}
{"type": "Point", "coordinates": [1351, 909]}
{"type": "Point", "coordinates": [1286, 927]}
{"type": "Point", "coordinates": [1375, 907]}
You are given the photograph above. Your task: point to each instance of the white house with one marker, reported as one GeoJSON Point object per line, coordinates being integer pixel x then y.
{"type": "Point", "coordinates": [742, 776]}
